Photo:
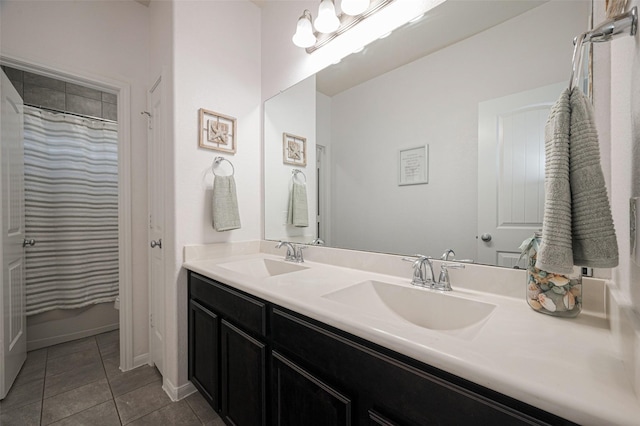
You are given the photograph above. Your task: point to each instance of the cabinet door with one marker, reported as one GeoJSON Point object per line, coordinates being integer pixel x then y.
{"type": "Point", "coordinates": [243, 371]}
{"type": "Point", "coordinates": [204, 352]}
{"type": "Point", "coordinates": [377, 419]}
{"type": "Point", "coordinates": [299, 398]}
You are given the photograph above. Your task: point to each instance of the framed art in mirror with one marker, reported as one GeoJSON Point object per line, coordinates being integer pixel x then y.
{"type": "Point", "coordinates": [294, 150]}
{"type": "Point", "coordinates": [216, 131]}
{"type": "Point", "coordinates": [413, 166]}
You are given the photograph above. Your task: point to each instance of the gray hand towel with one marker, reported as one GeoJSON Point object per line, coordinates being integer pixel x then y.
{"type": "Point", "coordinates": [556, 254]}
{"type": "Point", "coordinates": [298, 213]}
{"type": "Point", "coordinates": [225, 204]}
{"type": "Point", "coordinates": [594, 237]}
{"type": "Point", "coordinates": [578, 226]}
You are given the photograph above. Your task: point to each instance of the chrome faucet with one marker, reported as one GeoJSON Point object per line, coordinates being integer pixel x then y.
{"type": "Point", "coordinates": [422, 276]}
{"type": "Point", "coordinates": [294, 253]}
{"type": "Point", "coordinates": [447, 253]}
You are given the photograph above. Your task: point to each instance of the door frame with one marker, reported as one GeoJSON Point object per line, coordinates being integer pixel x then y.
{"type": "Point", "coordinates": [122, 90]}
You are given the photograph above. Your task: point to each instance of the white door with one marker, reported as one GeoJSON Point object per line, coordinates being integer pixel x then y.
{"type": "Point", "coordinates": [155, 147]}
{"type": "Point", "coordinates": [511, 171]}
{"type": "Point", "coordinates": [13, 339]}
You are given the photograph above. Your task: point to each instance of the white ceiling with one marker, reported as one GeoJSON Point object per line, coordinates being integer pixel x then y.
{"type": "Point", "coordinates": [446, 24]}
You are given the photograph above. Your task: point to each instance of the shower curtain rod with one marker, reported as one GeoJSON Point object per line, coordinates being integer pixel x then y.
{"type": "Point", "coordinates": [90, 117]}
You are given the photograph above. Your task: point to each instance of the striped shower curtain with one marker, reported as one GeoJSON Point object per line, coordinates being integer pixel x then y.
{"type": "Point", "coordinates": [71, 210]}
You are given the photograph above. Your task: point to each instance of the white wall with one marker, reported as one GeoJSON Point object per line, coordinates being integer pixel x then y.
{"type": "Point", "coordinates": [434, 101]}
{"type": "Point", "coordinates": [96, 40]}
{"type": "Point", "coordinates": [293, 112]}
{"type": "Point", "coordinates": [216, 66]}
{"type": "Point", "coordinates": [625, 154]}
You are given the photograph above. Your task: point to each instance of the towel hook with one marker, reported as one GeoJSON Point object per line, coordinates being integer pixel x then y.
{"type": "Point", "coordinates": [576, 64]}
{"type": "Point", "coordinates": [295, 173]}
{"type": "Point", "coordinates": [217, 161]}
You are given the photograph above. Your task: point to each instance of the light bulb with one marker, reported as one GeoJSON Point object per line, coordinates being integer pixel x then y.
{"type": "Point", "coordinates": [327, 21]}
{"type": "Point", "coordinates": [304, 31]}
{"type": "Point", "coordinates": [354, 7]}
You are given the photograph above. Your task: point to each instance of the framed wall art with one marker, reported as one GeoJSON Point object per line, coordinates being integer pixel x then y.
{"type": "Point", "coordinates": [294, 150]}
{"type": "Point", "coordinates": [413, 167]}
{"type": "Point", "coordinates": [216, 131]}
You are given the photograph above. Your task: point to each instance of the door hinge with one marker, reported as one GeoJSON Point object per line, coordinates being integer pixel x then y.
{"type": "Point", "coordinates": [151, 320]}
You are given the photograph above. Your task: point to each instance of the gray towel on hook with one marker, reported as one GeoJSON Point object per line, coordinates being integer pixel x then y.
{"type": "Point", "coordinates": [225, 204]}
{"type": "Point", "coordinates": [578, 226]}
{"type": "Point", "coordinates": [298, 212]}
{"type": "Point", "coordinates": [593, 234]}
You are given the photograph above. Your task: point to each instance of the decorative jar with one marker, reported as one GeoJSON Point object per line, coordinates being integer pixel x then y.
{"type": "Point", "coordinates": [549, 293]}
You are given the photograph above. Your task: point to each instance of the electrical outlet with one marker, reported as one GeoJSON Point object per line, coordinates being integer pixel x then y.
{"type": "Point", "coordinates": [586, 272]}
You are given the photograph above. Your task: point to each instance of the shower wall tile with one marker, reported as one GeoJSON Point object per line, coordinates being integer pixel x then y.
{"type": "Point", "coordinates": [85, 92]}
{"type": "Point", "coordinates": [109, 111]}
{"type": "Point", "coordinates": [42, 81]}
{"type": "Point", "coordinates": [13, 74]}
{"type": "Point", "coordinates": [43, 96]}
{"type": "Point", "coordinates": [109, 98]}
{"type": "Point", "coordinates": [56, 94]}
{"type": "Point", "coordinates": [84, 106]}
{"type": "Point", "coordinates": [19, 87]}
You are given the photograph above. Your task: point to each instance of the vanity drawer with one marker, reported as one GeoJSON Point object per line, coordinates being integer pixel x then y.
{"type": "Point", "coordinates": [243, 310]}
{"type": "Point", "coordinates": [411, 393]}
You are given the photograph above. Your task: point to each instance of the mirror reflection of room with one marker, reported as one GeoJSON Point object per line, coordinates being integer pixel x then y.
{"type": "Point", "coordinates": [467, 71]}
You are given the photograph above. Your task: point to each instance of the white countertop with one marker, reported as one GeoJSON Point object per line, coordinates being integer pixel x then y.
{"type": "Point", "coordinates": [564, 366]}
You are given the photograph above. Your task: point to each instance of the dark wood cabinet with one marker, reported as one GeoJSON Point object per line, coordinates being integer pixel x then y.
{"type": "Point", "coordinates": [228, 350]}
{"type": "Point", "coordinates": [243, 369]}
{"type": "Point", "coordinates": [299, 398]}
{"type": "Point", "coordinates": [204, 352]}
{"type": "Point", "coordinates": [259, 364]}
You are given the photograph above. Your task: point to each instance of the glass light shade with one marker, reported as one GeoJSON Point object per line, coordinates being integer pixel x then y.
{"type": "Point", "coordinates": [327, 21]}
{"type": "Point", "coordinates": [354, 7]}
{"type": "Point", "coordinates": [304, 33]}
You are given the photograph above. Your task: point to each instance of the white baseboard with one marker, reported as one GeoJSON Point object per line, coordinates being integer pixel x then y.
{"type": "Point", "coordinates": [63, 338]}
{"type": "Point", "coordinates": [176, 393]}
{"type": "Point", "coordinates": [140, 360]}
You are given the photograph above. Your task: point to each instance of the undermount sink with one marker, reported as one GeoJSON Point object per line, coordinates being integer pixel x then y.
{"type": "Point", "coordinates": [262, 268]}
{"type": "Point", "coordinates": [421, 307]}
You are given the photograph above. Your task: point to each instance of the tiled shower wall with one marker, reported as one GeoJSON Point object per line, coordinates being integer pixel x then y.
{"type": "Point", "coordinates": [47, 92]}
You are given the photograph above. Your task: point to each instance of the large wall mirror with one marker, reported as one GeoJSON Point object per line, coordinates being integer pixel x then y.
{"type": "Point", "coordinates": [429, 139]}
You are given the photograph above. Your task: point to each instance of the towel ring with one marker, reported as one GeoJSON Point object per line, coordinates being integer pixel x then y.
{"type": "Point", "coordinates": [295, 173]}
{"type": "Point", "coordinates": [217, 161]}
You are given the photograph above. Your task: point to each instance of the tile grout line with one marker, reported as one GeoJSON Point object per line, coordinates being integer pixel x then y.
{"type": "Point", "coordinates": [113, 398]}
{"type": "Point", "coordinates": [44, 384]}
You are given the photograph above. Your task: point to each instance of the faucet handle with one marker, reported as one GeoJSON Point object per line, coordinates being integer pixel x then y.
{"type": "Point", "coordinates": [444, 282]}
{"type": "Point", "coordinates": [299, 258]}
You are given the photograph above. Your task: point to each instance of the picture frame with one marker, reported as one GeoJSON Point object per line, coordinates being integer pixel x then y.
{"type": "Point", "coordinates": [294, 150]}
{"type": "Point", "coordinates": [413, 166]}
{"type": "Point", "coordinates": [216, 131]}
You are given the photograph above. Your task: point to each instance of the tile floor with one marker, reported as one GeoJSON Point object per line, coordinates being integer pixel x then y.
{"type": "Point", "coordinates": [79, 383]}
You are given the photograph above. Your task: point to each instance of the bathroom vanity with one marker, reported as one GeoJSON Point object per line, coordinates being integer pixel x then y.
{"type": "Point", "coordinates": [273, 342]}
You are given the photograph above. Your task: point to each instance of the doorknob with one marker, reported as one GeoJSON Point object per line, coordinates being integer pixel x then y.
{"type": "Point", "coordinates": [27, 242]}
{"type": "Point", "coordinates": [155, 243]}
{"type": "Point", "coordinates": [485, 237]}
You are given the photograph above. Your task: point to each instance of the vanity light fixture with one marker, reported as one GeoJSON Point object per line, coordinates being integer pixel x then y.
{"type": "Point", "coordinates": [354, 7]}
{"type": "Point", "coordinates": [304, 36]}
{"type": "Point", "coordinates": [329, 25]}
{"type": "Point", "coordinates": [327, 21]}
